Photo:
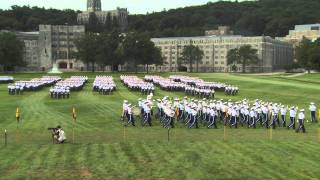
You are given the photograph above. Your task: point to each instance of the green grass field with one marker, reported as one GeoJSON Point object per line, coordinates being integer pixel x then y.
{"type": "Point", "coordinates": [104, 149]}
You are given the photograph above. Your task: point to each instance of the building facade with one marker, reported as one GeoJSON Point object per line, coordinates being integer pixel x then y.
{"type": "Point", "coordinates": [309, 31]}
{"type": "Point", "coordinates": [94, 6]}
{"type": "Point", "coordinates": [51, 44]}
{"type": "Point", "coordinates": [31, 51]}
{"type": "Point", "coordinates": [57, 45]}
{"type": "Point", "coordinates": [273, 54]}
{"type": "Point", "coordinates": [221, 31]}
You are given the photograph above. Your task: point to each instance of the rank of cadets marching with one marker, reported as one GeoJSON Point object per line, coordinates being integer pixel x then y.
{"type": "Point", "coordinates": [134, 83]}
{"type": "Point", "coordinates": [194, 113]}
{"type": "Point", "coordinates": [6, 79]}
{"type": "Point", "coordinates": [63, 88]}
{"type": "Point", "coordinates": [191, 86]}
{"type": "Point", "coordinates": [33, 85]}
{"type": "Point", "coordinates": [104, 85]}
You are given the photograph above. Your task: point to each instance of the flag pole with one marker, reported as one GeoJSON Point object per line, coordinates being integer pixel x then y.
{"type": "Point", "coordinates": [5, 137]}
{"type": "Point", "coordinates": [74, 117]}
{"type": "Point", "coordinates": [18, 122]}
{"type": "Point", "coordinates": [224, 133]}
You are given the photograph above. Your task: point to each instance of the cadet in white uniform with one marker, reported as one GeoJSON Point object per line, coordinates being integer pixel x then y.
{"type": "Point", "coordinates": [301, 121]}
{"type": "Point", "coordinates": [313, 110]}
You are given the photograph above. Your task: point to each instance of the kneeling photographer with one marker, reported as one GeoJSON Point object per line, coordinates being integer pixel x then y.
{"type": "Point", "coordinates": [58, 135]}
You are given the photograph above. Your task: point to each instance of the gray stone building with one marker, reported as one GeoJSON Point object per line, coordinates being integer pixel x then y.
{"type": "Point", "coordinates": [273, 54]}
{"type": "Point", "coordinates": [56, 45]}
{"type": "Point", "coordinates": [51, 44]}
{"type": "Point", "coordinates": [94, 6]}
{"type": "Point", "coordinates": [31, 51]}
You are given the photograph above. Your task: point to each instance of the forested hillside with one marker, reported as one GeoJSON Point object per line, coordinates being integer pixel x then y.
{"type": "Point", "coordinates": [268, 17]}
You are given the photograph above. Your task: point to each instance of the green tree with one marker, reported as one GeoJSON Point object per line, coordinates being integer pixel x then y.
{"type": "Point", "coordinates": [192, 55]}
{"type": "Point", "coordinates": [308, 54]}
{"type": "Point", "coordinates": [157, 57]}
{"type": "Point", "coordinates": [11, 51]}
{"type": "Point", "coordinates": [138, 49]}
{"type": "Point", "coordinates": [87, 46]}
{"type": "Point", "coordinates": [232, 58]}
{"type": "Point", "coordinates": [108, 44]}
{"type": "Point", "coordinates": [245, 56]}
{"type": "Point", "coordinates": [108, 23]}
{"type": "Point", "coordinates": [93, 24]}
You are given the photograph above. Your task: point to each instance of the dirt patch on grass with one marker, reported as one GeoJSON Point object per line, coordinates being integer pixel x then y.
{"type": "Point", "coordinates": [85, 174]}
{"type": "Point", "coordinates": [11, 170]}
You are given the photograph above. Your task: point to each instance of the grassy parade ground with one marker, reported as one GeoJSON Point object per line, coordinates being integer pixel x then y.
{"type": "Point", "coordinates": [104, 149]}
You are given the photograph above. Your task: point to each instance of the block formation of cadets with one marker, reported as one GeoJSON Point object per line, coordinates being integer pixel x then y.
{"type": "Point", "coordinates": [63, 88]}
{"type": "Point", "coordinates": [104, 85]}
{"type": "Point", "coordinates": [191, 86]}
{"type": "Point", "coordinates": [134, 83]}
{"type": "Point", "coordinates": [6, 79]}
{"type": "Point", "coordinates": [194, 113]}
{"type": "Point", "coordinates": [36, 84]}
{"type": "Point", "coordinates": [197, 85]}
{"type": "Point", "coordinates": [165, 83]}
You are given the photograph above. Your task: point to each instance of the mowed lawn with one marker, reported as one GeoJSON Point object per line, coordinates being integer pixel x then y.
{"type": "Point", "coordinates": [104, 149]}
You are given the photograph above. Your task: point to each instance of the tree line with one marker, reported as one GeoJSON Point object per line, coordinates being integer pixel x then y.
{"type": "Point", "coordinates": [308, 55]}
{"type": "Point", "coordinates": [114, 49]}
{"type": "Point", "coordinates": [11, 52]}
{"type": "Point", "coordinates": [262, 17]}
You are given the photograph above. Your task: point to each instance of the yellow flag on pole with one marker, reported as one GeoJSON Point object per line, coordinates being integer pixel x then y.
{"type": "Point", "coordinates": [74, 114]}
{"type": "Point", "coordinates": [18, 114]}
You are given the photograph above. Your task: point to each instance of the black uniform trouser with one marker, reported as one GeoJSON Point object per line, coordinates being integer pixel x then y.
{"type": "Point", "coordinates": [194, 121]}
{"type": "Point", "coordinates": [313, 116]}
{"type": "Point", "coordinates": [283, 117]}
{"type": "Point", "coordinates": [148, 118]}
{"type": "Point", "coordinates": [131, 119]}
{"type": "Point", "coordinates": [301, 126]}
{"type": "Point", "coordinates": [292, 123]}
{"type": "Point", "coordinates": [233, 122]}
{"type": "Point", "coordinates": [213, 122]}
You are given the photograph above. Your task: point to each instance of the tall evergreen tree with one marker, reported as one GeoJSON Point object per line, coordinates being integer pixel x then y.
{"type": "Point", "coordinates": [308, 54]}
{"type": "Point", "coordinates": [87, 47]}
{"type": "Point", "coordinates": [11, 51]}
{"type": "Point", "coordinates": [245, 56]}
{"type": "Point", "coordinates": [192, 55]}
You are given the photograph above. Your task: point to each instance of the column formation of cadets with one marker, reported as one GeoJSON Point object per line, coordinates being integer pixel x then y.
{"type": "Point", "coordinates": [201, 88]}
{"type": "Point", "coordinates": [165, 83]}
{"type": "Point", "coordinates": [33, 85]}
{"type": "Point", "coordinates": [104, 85]}
{"type": "Point", "coordinates": [191, 86]}
{"type": "Point", "coordinates": [63, 88]}
{"type": "Point", "coordinates": [6, 79]}
{"type": "Point", "coordinates": [136, 84]}
{"type": "Point", "coordinates": [209, 113]}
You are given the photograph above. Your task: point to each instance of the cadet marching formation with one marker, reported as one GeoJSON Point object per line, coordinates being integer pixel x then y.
{"type": "Point", "coordinates": [201, 84]}
{"type": "Point", "coordinates": [104, 85]}
{"type": "Point", "coordinates": [209, 113]}
{"type": "Point", "coordinates": [191, 86]}
{"type": "Point", "coordinates": [136, 84]}
{"type": "Point", "coordinates": [63, 88]}
{"type": "Point", "coordinates": [36, 84]}
{"type": "Point", "coordinates": [165, 83]}
{"type": "Point", "coordinates": [6, 79]}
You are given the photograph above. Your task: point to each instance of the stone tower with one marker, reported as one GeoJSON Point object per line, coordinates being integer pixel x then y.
{"type": "Point", "coordinates": [93, 5]}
